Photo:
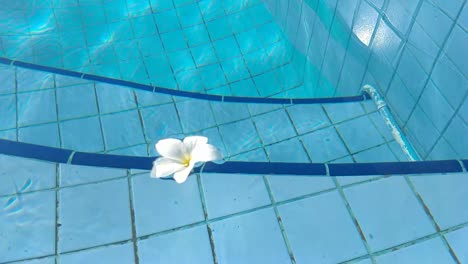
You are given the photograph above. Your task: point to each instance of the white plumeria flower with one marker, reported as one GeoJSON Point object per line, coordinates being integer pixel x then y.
{"type": "Point", "coordinates": [179, 157]}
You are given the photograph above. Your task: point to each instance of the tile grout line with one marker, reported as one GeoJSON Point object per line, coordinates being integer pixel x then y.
{"type": "Point", "coordinates": [205, 215]}
{"type": "Point", "coordinates": [132, 218]}
{"type": "Point", "coordinates": [57, 211]}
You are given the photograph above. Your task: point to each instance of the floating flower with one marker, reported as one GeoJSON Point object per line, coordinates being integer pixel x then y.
{"type": "Point", "coordinates": [179, 157]}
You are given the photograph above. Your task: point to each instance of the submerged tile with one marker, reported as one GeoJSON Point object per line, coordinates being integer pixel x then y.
{"type": "Point", "coordinates": [120, 253]}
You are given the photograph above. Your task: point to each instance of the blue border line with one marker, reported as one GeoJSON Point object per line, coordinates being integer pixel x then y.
{"type": "Point", "coordinates": [58, 155]}
{"type": "Point", "coordinates": [209, 97]}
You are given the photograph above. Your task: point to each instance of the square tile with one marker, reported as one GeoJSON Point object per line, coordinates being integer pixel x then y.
{"type": "Point", "coordinates": [267, 84]}
{"type": "Point", "coordinates": [444, 196]}
{"type": "Point", "coordinates": [46, 260]}
{"type": "Point", "coordinates": [434, 22]}
{"type": "Point", "coordinates": [307, 118]}
{"type": "Point", "coordinates": [430, 251]}
{"type": "Point", "coordinates": [360, 134]}
{"type": "Point", "coordinates": [76, 101]}
{"type": "Point", "coordinates": [324, 145]}
{"type": "Point", "coordinates": [46, 135]}
{"type": "Point", "coordinates": [204, 55]}
{"type": "Point", "coordinates": [181, 60]}
{"type": "Point", "coordinates": [458, 240]}
{"type": "Point", "coordinates": [7, 77]}
{"type": "Point", "coordinates": [447, 75]}
{"type": "Point", "coordinates": [82, 134]}
{"type": "Point", "coordinates": [122, 129]}
{"type": "Point", "coordinates": [166, 248]}
{"type": "Point", "coordinates": [196, 35]}
{"type": "Point", "coordinates": [240, 137]}
{"type": "Point", "coordinates": [229, 112]}
{"type": "Point", "coordinates": [20, 174]}
{"type": "Point", "coordinates": [73, 174]}
{"type": "Point", "coordinates": [258, 62]}
{"type": "Point", "coordinates": [244, 88]}
{"type": "Point", "coordinates": [420, 129]}
{"type": "Point", "coordinates": [111, 224]}
{"type": "Point", "coordinates": [29, 80]}
{"type": "Point", "coordinates": [160, 122]}
{"type": "Point", "coordinates": [120, 253]}
{"type": "Point", "coordinates": [8, 110]}
{"type": "Point", "coordinates": [290, 150]}
{"type": "Point", "coordinates": [114, 98]}
{"type": "Point", "coordinates": [455, 136]}
{"type": "Point", "coordinates": [388, 219]}
{"type": "Point", "coordinates": [212, 76]}
{"type": "Point", "coordinates": [230, 193]}
{"type": "Point", "coordinates": [146, 98]}
{"type": "Point", "coordinates": [163, 204]}
{"type": "Point", "coordinates": [167, 21]}
{"type": "Point", "coordinates": [249, 41]}
{"type": "Point", "coordinates": [343, 111]}
{"type": "Point", "coordinates": [226, 48]}
{"type": "Point", "coordinates": [36, 107]}
{"type": "Point", "coordinates": [28, 223]}
{"type": "Point", "coordinates": [324, 217]}
{"type": "Point", "coordinates": [237, 239]}
{"type": "Point", "coordinates": [274, 126]}
{"type": "Point", "coordinates": [437, 109]}
{"type": "Point", "coordinates": [211, 10]}
{"type": "Point", "coordinates": [381, 126]}
{"type": "Point", "coordinates": [219, 28]}
{"type": "Point", "coordinates": [380, 153]}
{"type": "Point", "coordinates": [195, 115]}
{"type": "Point", "coordinates": [189, 15]}
{"type": "Point", "coordinates": [235, 69]}
{"type": "Point", "coordinates": [174, 40]}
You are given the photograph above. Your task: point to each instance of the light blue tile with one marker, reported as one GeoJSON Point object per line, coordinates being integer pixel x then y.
{"type": "Point", "coordinates": [398, 151]}
{"type": "Point", "coordinates": [122, 129]}
{"type": "Point", "coordinates": [451, 7]}
{"type": "Point", "coordinates": [444, 196]}
{"type": "Point", "coordinates": [73, 174]}
{"type": "Point", "coordinates": [189, 80]}
{"type": "Point", "coordinates": [122, 30]}
{"type": "Point", "coordinates": [274, 126]}
{"type": "Point", "coordinates": [211, 10]}
{"type": "Point", "coordinates": [92, 15]}
{"type": "Point", "coordinates": [431, 251]}
{"type": "Point", "coordinates": [189, 15]}
{"type": "Point", "coordinates": [422, 131]}
{"type": "Point", "coordinates": [7, 77]}
{"type": "Point", "coordinates": [244, 88]}
{"type": "Point", "coordinates": [323, 216]}
{"type": "Point", "coordinates": [219, 28]}
{"type": "Point", "coordinates": [178, 204]}
{"type": "Point", "coordinates": [8, 110]}
{"type": "Point", "coordinates": [453, 83]}
{"type": "Point", "coordinates": [181, 60]}
{"type": "Point", "coordinates": [204, 55]}
{"type": "Point", "coordinates": [28, 80]}
{"type": "Point", "coordinates": [411, 73]}
{"type": "Point", "coordinates": [77, 101]}
{"type": "Point", "coordinates": [150, 46]}
{"type": "Point", "coordinates": [167, 21]}
{"type": "Point", "coordinates": [458, 240]}
{"type": "Point", "coordinates": [113, 98]}
{"type": "Point", "coordinates": [290, 150]}
{"type": "Point", "coordinates": [267, 84]}
{"type": "Point", "coordinates": [380, 153]}
{"type": "Point", "coordinates": [456, 136]}
{"type": "Point", "coordinates": [422, 46]}
{"type": "Point", "coordinates": [196, 35]}
{"type": "Point", "coordinates": [159, 5]}
{"type": "Point", "coordinates": [400, 14]}
{"type": "Point", "coordinates": [436, 24]}
{"type": "Point", "coordinates": [258, 62]}
{"type": "Point", "coordinates": [240, 22]}
{"type": "Point", "coordinates": [138, 150]}
{"type": "Point", "coordinates": [35, 214]}
{"type": "Point", "coordinates": [360, 134]}
{"type": "Point", "coordinates": [442, 150]}
{"type": "Point", "coordinates": [454, 45]}
{"type": "Point", "coordinates": [235, 69]}
{"type": "Point", "coordinates": [111, 224]}
{"type": "Point", "coordinates": [46, 135]}
{"type": "Point", "coordinates": [308, 118]}
{"type": "Point", "coordinates": [256, 109]}
{"type": "Point", "coordinates": [179, 3]}
{"type": "Point", "coordinates": [137, 8]}
{"type": "Point", "coordinates": [341, 112]}
{"type": "Point", "coordinates": [254, 155]}
{"type": "Point", "coordinates": [120, 253]}
{"type": "Point", "coordinates": [387, 219]}
{"type": "Point", "coordinates": [249, 41]}
{"type": "Point", "coordinates": [195, 115]}
{"type": "Point", "coordinates": [214, 138]}
{"type": "Point", "coordinates": [127, 50]}
{"type": "Point", "coordinates": [146, 98]}
{"type": "Point", "coordinates": [46, 260]}
{"type": "Point", "coordinates": [160, 72]}
{"type": "Point", "coordinates": [97, 35]}
{"type": "Point", "coordinates": [174, 40]}
{"type": "Point", "coordinates": [324, 145]}
{"type": "Point", "coordinates": [8, 134]}
{"type": "Point", "coordinates": [82, 134]}
{"type": "Point", "coordinates": [269, 33]}
{"type": "Point", "coordinates": [437, 109]}
{"type": "Point", "coordinates": [226, 48]}
{"type": "Point", "coordinates": [36, 108]}
{"type": "Point", "coordinates": [20, 174]}
{"type": "Point", "coordinates": [228, 194]}
{"type": "Point", "coordinates": [212, 76]}
{"type": "Point", "coordinates": [286, 187]}
{"type": "Point", "coordinates": [166, 248]}
{"type": "Point", "coordinates": [160, 122]}
{"type": "Point", "coordinates": [381, 126]}
{"type": "Point", "coordinates": [236, 239]}
{"type": "Point", "coordinates": [229, 112]}
{"type": "Point", "coordinates": [239, 137]}
{"type": "Point", "coordinates": [400, 100]}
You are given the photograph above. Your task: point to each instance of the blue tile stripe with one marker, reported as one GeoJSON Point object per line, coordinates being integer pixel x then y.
{"type": "Point", "coordinates": [156, 89]}
{"type": "Point", "coordinates": [58, 155]}
{"type": "Point", "coordinates": [465, 163]}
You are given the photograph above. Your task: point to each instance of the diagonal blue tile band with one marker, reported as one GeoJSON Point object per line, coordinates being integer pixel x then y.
{"type": "Point", "coordinates": [39, 152]}
{"type": "Point", "coordinates": [465, 163]}
{"type": "Point", "coordinates": [209, 97]}
{"type": "Point", "coordinates": [387, 168]}
{"type": "Point", "coordinates": [45, 153]}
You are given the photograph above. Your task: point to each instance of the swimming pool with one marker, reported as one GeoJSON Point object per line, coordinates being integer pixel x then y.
{"type": "Point", "coordinates": [88, 88]}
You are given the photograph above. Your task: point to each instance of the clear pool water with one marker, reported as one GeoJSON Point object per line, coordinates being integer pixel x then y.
{"type": "Point", "coordinates": [54, 211]}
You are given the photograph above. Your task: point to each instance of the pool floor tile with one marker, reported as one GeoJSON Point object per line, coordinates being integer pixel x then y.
{"type": "Point", "coordinates": [227, 193]}
{"type": "Point", "coordinates": [324, 145]}
{"type": "Point", "coordinates": [27, 226]}
{"type": "Point", "coordinates": [274, 127]}
{"type": "Point", "coordinates": [104, 215]}
{"type": "Point", "coordinates": [36, 107]}
{"type": "Point", "coordinates": [250, 238]}
{"type": "Point", "coordinates": [46, 135]}
{"type": "Point", "coordinates": [160, 122]}
{"type": "Point", "coordinates": [195, 115]}
{"type": "Point", "coordinates": [120, 253]}
{"type": "Point", "coordinates": [118, 134]}
{"type": "Point", "coordinates": [320, 230]}
{"type": "Point", "coordinates": [239, 137]}
{"type": "Point", "coordinates": [430, 251]}
{"type": "Point", "coordinates": [76, 101]}
{"type": "Point", "coordinates": [184, 246]}
{"type": "Point", "coordinates": [445, 196]}
{"type": "Point", "coordinates": [307, 118]}
{"type": "Point", "coordinates": [341, 112]}
{"type": "Point", "coordinates": [82, 134]}
{"type": "Point", "coordinates": [70, 175]}
{"type": "Point", "coordinates": [356, 137]}
{"type": "Point", "coordinates": [47, 260]}
{"type": "Point", "coordinates": [458, 241]}
{"type": "Point", "coordinates": [388, 212]}
{"type": "Point", "coordinates": [164, 204]}
{"type": "Point", "coordinates": [284, 187]}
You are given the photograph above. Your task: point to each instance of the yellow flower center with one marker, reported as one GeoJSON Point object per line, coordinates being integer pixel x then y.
{"type": "Point", "coordinates": [186, 161]}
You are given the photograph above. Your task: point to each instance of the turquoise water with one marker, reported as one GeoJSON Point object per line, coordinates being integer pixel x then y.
{"type": "Point", "coordinates": [65, 213]}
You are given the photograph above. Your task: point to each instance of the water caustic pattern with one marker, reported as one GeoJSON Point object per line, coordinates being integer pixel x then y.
{"type": "Point", "coordinates": [217, 47]}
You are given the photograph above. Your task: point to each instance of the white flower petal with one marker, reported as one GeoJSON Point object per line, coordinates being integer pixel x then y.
{"type": "Point", "coordinates": [182, 175]}
{"type": "Point", "coordinates": [171, 148]}
{"type": "Point", "coordinates": [193, 141]}
{"type": "Point", "coordinates": [163, 167]}
{"type": "Point", "coordinates": [206, 152]}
